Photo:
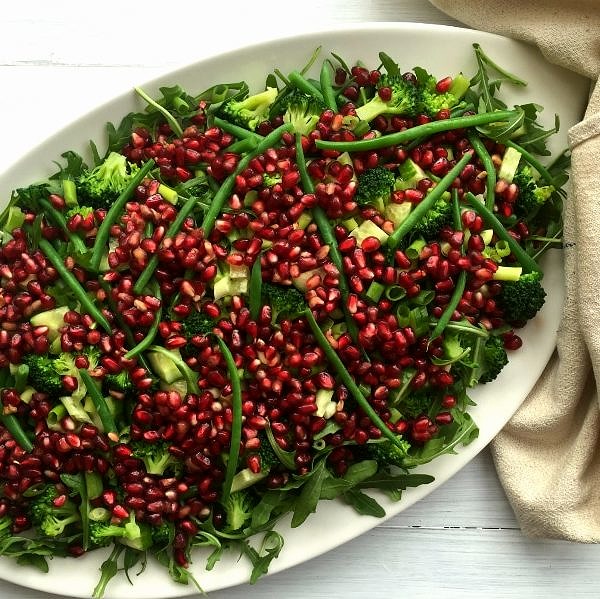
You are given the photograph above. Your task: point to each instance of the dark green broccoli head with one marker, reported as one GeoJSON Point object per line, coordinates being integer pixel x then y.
{"type": "Point", "coordinates": [434, 220]}
{"type": "Point", "coordinates": [302, 111]}
{"type": "Point", "coordinates": [387, 453]}
{"type": "Point", "coordinates": [251, 111]}
{"type": "Point", "coordinates": [49, 519]}
{"type": "Point", "coordinates": [522, 299]}
{"type": "Point", "coordinates": [404, 99]}
{"type": "Point", "coordinates": [374, 187]}
{"type": "Point", "coordinates": [494, 359]}
{"type": "Point", "coordinates": [156, 456]}
{"type": "Point", "coordinates": [100, 187]}
{"type": "Point", "coordinates": [43, 374]}
{"type": "Point", "coordinates": [415, 403]}
{"type": "Point", "coordinates": [120, 382]}
{"type": "Point", "coordinates": [531, 196]}
{"type": "Point", "coordinates": [163, 534]}
{"type": "Point", "coordinates": [198, 323]}
{"type": "Point", "coordinates": [266, 453]}
{"type": "Point", "coordinates": [284, 300]}
{"type": "Point", "coordinates": [105, 533]}
{"type": "Point", "coordinates": [431, 101]}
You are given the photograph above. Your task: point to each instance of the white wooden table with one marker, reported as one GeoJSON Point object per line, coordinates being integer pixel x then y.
{"type": "Point", "coordinates": [463, 540]}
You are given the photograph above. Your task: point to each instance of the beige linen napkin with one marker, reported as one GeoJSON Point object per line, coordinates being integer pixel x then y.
{"type": "Point", "coordinates": [548, 456]}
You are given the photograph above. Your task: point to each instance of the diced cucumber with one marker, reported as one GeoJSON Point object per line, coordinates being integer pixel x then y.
{"type": "Point", "coordinates": [410, 174]}
{"type": "Point", "coordinates": [326, 408]}
{"type": "Point", "coordinates": [164, 367]}
{"type": "Point", "coordinates": [239, 272]}
{"type": "Point", "coordinates": [226, 286]}
{"type": "Point", "coordinates": [179, 386]}
{"type": "Point", "coordinates": [300, 281]}
{"type": "Point", "coordinates": [53, 319]}
{"type": "Point", "coordinates": [304, 220]}
{"type": "Point", "coordinates": [510, 164]}
{"type": "Point", "coordinates": [369, 229]}
{"type": "Point", "coordinates": [460, 86]}
{"type": "Point", "coordinates": [397, 212]}
{"type": "Point", "coordinates": [350, 224]}
{"type": "Point", "coordinates": [169, 194]}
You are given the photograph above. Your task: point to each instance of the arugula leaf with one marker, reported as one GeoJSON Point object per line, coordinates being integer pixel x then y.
{"type": "Point", "coordinates": [389, 65]}
{"type": "Point", "coordinates": [108, 570]}
{"type": "Point", "coordinates": [73, 169]}
{"type": "Point", "coordinates": [119, 137]}
{"type": "Point", "coordinates": [395, 482]}
{"type": "Point", "coordinates": [363, 504]}
{"type": "Point", "coordinates": [309, 496]}
{"type": "Point", "coordinates": [270, 548]}
{"type": "Point", "coordinates": [35, 560]}
{"type": "Point", "coordinates": [205, 539]}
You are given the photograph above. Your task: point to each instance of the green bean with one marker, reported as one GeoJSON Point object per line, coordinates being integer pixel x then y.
{"type": "Point", "coordinates": [450, 306]}
{"type": "Point", "coordinates": [227, 186]}
{"type": "Point", "coordinates": [533, 161]}
{"type": "Point", "coordinates": [61, 223]}
{"type": "Point", "coordinates": [99, 402]}
{"type": "Point", "coordinates": [347, 379]}
{"type": "Point", "coordinates": [255, 289]}
{"type": "Point", "coordinates": [326, 87]}
{"type": "Point", "coordinates": [457, 111]}
{"type": "Point", "coordinates": [236, 422]}
{"type": "Point", "coordinates": [116, 209]}
{"type": "Point", "coordinates": [13, 426]}
{"type": "Point", "coordinates": [488, 165]}
{"type": "Point", "coordinates": [243, 145]}
{"type": "Point", "coordinates": [328, 236]}
{"type": "Point", "coordinates": [298, 81]}
{"type": "Point", "coordinates": [149, 338]}
{"type": "Point", "coordinates": [407, 135]}
{"type": "Point", "coordinates": [524, 259]}
{"type": "Point", "coordinates": [173, 229]}
{"type": "Point", "coordinates": [456, 216]}
{"type": "Point", "coordinates": [422, 207]}
{"type": "Point", "coordinates": [78, 291]}
{"type": "Point", "coordinates": [236, 130]}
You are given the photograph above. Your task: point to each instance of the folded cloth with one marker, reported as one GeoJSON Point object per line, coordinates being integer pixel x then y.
{"type": "Point", "coordinates": [548, 455]}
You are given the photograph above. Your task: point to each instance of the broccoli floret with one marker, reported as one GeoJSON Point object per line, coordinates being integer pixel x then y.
{"type": "Point", "coordinates": [250, 112]}
{"type": "Point", "coordinates": [438, 216]}
{"type": "Point", "coordinates": [120, 382]}
{"type": "Point", "coordinates": [266, 453]}
{"type": "Point", "coordinates": [404, 99]}
{"type": "Point", "coordinates": [100, 187]}
{"type": "Point", "coordinates": [156, 456]}
{"type": "Point", "coordinates": [84, 211]}
{"type": "Point", "coordinates": [238, 509]}
{"type": "Point", "coordinates": [45, 373]}
{"type": "Point", "coordinates": [387, 453]}
{"type": "Point", "coordinates": [415, 403]}
{"type": "Point", "coordinates": [198, 323]}
{"type": "Point", "coordinates": [283, 300]}
{"type": "Point", "coordinates": [531, 196]}
{"type": "Point", "coordinates": [162, 535]}
{"type": "Point", "coordinates": [302, 111]}
{"type": "Point", "coordinates": [522, 299]}
{"type": "Point", "coordinates": [431, 101]}
{"type": "Point", "coordinates": [374, 187]}
{"type": "Point", "coordinates": [49, 519]}
{"type": "Point", "coordinates": [494, 359]}
{"type": "Point", "coordinates": [104, 533]}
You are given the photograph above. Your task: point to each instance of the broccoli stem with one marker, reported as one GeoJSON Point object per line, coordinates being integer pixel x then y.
{"type": "Point", "coordinates": [13, 426]}
{"type": "Point", "coordinates": [227, 186]}
{"type": "Point", "coordinates": [488, 165]}
{"type": "Point", "coordinates": [173, 229]}
{"type": "Point", "coordinates": [67, 276]}
{"type": "Point", "coordinates": [401, 137]}
{"type": "Point", "coordinates": [422, 207]}
{"type": "Point", "coordinates": [525, 260]}
{"type": "Point", "coordinates": [326, 87]}
{"type": "Point", "coordinates": [298, 81]}
{"type": "Point", "coordinates": [533, 161]}
{"type": "Point", "coordinates": [328, 237]}
{"type": "Point", "coordinates": [146, 342]}
{"type": "Point", "coordinates": [115, 210]}
{"type": "Point", "coordinates": [100, 404]}
{"type": "Point", "coordinates": [236, 422]}
{"type": "Point", "coordinates": [255, 289]}
{"type": "Point", "coordinates": [348, 381]}
{"type": "Point", "coordinates": [61, 223]}
{"type": "Point", "coordinates": [235, 130]}
{"type": "Point", "coordinates": [175, 126]}
{"type": "Point", "coordinates": [450, 306]}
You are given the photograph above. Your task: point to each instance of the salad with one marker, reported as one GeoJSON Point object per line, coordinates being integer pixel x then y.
{"type": "Point", "coordinates": [251, 301]}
